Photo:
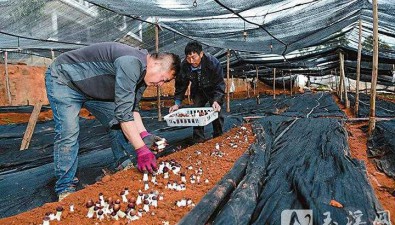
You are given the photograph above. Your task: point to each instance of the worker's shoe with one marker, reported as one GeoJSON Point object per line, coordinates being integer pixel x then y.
{"type": "Point", "coordinates": [64, 194]}
{"type": "Point", "coordinates": [127, 164]}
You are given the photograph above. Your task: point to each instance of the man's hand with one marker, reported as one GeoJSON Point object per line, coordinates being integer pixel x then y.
{"type": "Point", "coordinates": [150, 139]}
{"type": "Point", "coordinates": [216, 107]}
{"type": "Point", "coordinates": [146, 160]}
{"type": "Point", "coordinates": [174, 108]}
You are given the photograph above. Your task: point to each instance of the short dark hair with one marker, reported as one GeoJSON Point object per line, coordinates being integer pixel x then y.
{"type": "Point", "coordinates": [175, 63]}
{"type": "Point", "coordinates": [193, 46]}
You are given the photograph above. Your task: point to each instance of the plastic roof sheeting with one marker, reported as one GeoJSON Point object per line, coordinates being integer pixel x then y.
{"type": "Point", "coordinates": [286, 34]}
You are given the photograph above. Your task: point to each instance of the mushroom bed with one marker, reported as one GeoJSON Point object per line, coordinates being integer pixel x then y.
{"type": "Point", "coordinates": [206, 163]}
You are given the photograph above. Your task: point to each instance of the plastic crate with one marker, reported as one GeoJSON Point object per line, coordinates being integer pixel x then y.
{"type": "Point", "coordinates": [190, 117]}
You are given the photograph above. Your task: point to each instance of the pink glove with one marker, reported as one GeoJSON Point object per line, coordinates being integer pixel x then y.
{"type": "Point", "coordinates": [145, 159]}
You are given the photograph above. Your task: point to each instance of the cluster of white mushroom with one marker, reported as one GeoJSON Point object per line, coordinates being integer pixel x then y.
{"type": "Point", "coordinates": [53, 216]}
{"type": "Point", "coordinates": [185, 202]}
{"type": "Point", "coordinates": [240, 137]}
{"type": "Point", "coordinates": [217, 152]}
{"type": "Point", "coordinates": [112, 210]}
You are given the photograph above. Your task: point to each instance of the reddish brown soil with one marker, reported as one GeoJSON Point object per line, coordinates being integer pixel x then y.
{"type": "Point", "coordinates": [381, 183]}
{"type": "Point", "coordinates": [199, 156]}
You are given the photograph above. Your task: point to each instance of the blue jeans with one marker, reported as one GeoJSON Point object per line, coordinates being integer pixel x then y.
{"type": "Point", "coordinates": [200, 100]}
{"type": "Point", "coordinates": [66, 104]}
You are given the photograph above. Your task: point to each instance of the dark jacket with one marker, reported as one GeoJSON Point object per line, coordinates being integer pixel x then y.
{"type": "Point", "coordinates": [105, 71]}
{"type": "Point", "coordinates": [210, 83]}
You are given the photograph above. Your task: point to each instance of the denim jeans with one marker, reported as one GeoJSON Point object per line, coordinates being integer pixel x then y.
{"type": "Point", "coordinates": [200, 100]}
{"type": "Point", "coordinates": [66, 104]}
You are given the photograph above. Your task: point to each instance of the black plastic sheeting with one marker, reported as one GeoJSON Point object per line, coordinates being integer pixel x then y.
{"type": "Point", "coordinates": [383, 108]}
{"type": "Point", "coordinates": [28, 173]}
{"type": "Point", "coordinates": [300, 163]}
{"type": "Point", "coordinates": [382, 147]}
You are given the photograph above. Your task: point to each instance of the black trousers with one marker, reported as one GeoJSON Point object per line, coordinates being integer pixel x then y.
{"type": "Point", "coordinates": [200, 100]}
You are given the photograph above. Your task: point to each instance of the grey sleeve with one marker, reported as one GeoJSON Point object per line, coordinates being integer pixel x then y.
{"type": "Point", "coordinates": [128, 72]}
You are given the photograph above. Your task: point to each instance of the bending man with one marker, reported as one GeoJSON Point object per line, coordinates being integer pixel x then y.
{"type": "Point", "coordinates": [108, 79]}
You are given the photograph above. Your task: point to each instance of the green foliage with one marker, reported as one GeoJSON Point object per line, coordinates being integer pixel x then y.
{"type": "Point", "coordinates": [368, 44]}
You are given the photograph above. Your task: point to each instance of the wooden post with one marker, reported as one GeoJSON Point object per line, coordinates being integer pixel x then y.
{"type": "Point", "coordinates": [31, 125]}
{"type": "Point", "coordinates": [158, 88]}
{"type": "Point", "coordinates": [256, 68]}
{"type": "Point", "coordinates": [52, 54]}
{"type": "Point", "coordinates": [274, 83]}
{"type": "Point", "coordinates": [248, 87]}
{"type": "Point", "coordinates": [340, 93]}
{"type": "Point", "coordinates": [290, 80]}
{"type": "Point", "coordinates": [227, 81]}
{"type": "Point", "coordinates": [356, 107]}
{"type": "Point", "coordinates": [372, 115]}
{"type": "Point", "coordinates": [336, 82]}
{"type": "Point", "coordinates": [7, 81]}
{"type": "Point", "coordinates": [347, 103]}
{"type": "Point", "coordinates": [393, 73]}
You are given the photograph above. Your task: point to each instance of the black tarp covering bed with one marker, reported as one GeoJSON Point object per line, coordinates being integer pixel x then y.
{"type": "Point", "coordinates": [26, 177]}
{"type": "Point", "coordinates": [381, 146]}
{"type": "Point", "coordinates": [300, 164]}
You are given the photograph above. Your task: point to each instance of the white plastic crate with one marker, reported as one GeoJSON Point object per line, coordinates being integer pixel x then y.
{"type": "Point", "coordinates": [190, 117]}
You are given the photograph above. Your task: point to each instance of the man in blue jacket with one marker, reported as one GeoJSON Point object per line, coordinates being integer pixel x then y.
{"type": "Point", "coordinates": [207, 85]}
{"type": "Point", "coordinates": [109, 80]}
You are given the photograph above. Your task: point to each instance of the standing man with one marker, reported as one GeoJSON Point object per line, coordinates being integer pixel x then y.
{"type": "Point", "coordinates": [109, 80]}
{"type": "Point", "coordinates": [207, 85]}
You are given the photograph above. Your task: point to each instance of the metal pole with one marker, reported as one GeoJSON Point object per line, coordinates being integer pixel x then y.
{"type": "Point", "coordinates": [372, 115]}
{"type": "Point", "coordinates": [158, 88]}
{"type": "Point", "coordinates": [356, 107]}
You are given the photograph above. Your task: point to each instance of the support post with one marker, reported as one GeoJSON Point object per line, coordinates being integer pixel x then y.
{"type": "Point", "coordinates": [347, 103]}
{"type": "Point", "coordinates": [7, 80]}
{"type": "Point", "coordinates": [372, 114]}
{"type": "Point", "coordinates": [31, 125]}
{"type": "Point", "coordinates": [256, 68]}
{"type": "Point", "coordinates": [158, 88]}
{"type": "Point", "coordinates": [227, 81]}
{"type": "Point", "coordinates": [274, 83]}
{"type": "Point", "coordinates": [52, 54]}
{"type": "Point", "coordinates": [290, 80]}
{"type": "Point", "coordinates": [340, 93]}
{"type": "Point", "coordinates": [356, 107]}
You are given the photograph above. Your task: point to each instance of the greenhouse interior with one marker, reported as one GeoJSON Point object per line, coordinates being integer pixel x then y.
{"type": "Point", "coordinates": [303, 112]}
